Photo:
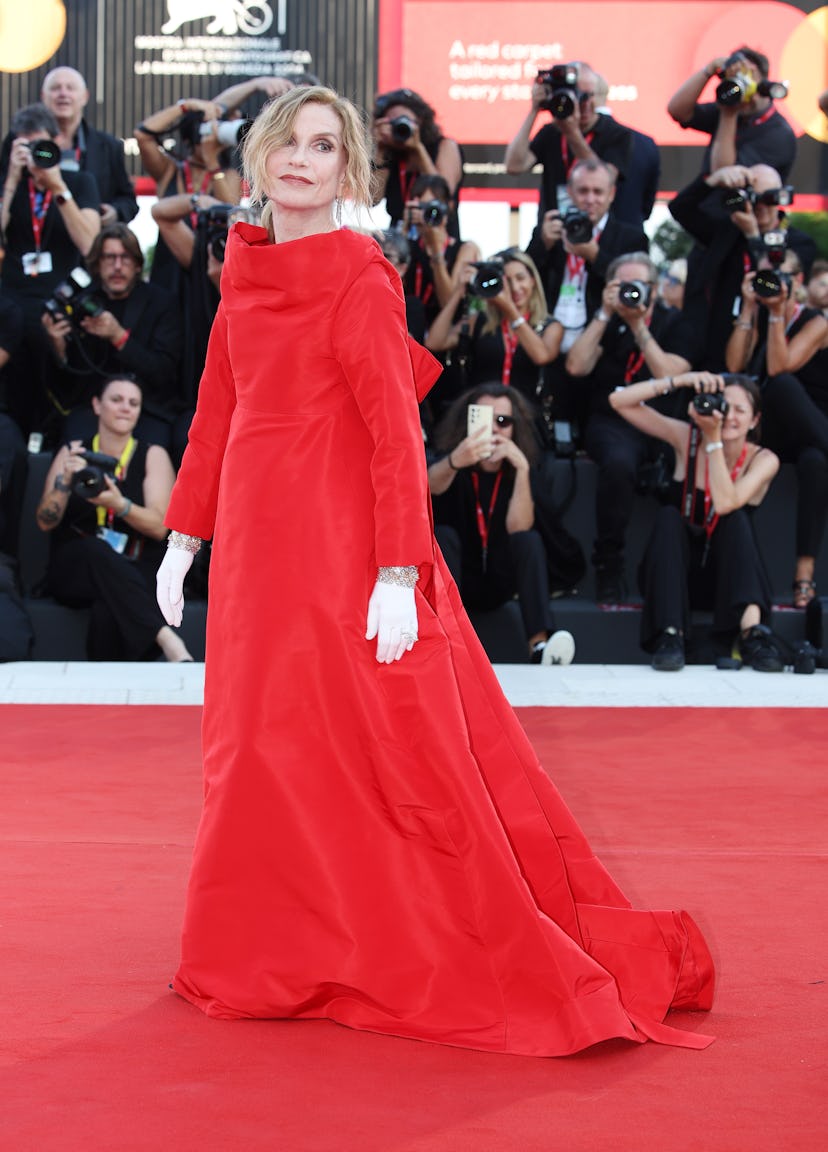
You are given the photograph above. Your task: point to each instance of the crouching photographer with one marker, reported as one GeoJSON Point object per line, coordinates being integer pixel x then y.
{"type": "Point", "coordinates": [103, 503]}
{"type": "Point", "coordinates": [484, 513]}
{"type": "Point", "coordinates": [783, 342]}
{"type": "Point", "coordinates": [702, 551]}
{"type": "Point", "coordinates": [104, 319]}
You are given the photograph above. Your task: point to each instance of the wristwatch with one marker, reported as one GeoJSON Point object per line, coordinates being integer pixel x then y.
{"type": "Point", "coordinates": [63, 197]}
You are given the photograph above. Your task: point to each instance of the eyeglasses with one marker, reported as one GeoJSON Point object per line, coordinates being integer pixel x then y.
{"type": "Point", "coordinates": [504, 421]}
{"type": "Point", "coordinates": [115, 258]}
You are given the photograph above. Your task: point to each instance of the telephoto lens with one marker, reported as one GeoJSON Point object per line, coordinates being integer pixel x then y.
{"type": "Point", "coordinates": [634, 293]}
{"type": "Point", "coordinates": [45, 153]}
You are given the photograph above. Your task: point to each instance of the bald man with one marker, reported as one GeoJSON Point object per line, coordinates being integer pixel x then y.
{"type": "Point", "coordinates": [727, 244]}
{"type": "Point", "coordinates": [86, 149]}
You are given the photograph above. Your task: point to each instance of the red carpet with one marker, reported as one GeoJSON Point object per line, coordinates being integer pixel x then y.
{"type": "Point", "coordinates": [721, 812]}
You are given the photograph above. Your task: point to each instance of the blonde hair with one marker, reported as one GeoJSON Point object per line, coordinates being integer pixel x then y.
{"type": "Point", "coordinates": [272, 129]}
{"type": "Point", "coordinates": [537, 301]}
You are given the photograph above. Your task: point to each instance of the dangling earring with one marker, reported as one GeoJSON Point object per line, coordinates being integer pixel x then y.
{"type": "Point", "coordinates": [338, 212]}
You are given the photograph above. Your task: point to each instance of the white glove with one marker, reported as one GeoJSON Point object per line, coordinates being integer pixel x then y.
{"type": "Point", "coordinates": [392, 618]}
{"type": "Point", "coordinates": [169, 584]}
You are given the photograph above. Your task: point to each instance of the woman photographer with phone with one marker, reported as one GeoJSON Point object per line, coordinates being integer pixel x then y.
{"type": "Point", "coordinates": [484, 513]}
{"type": "Point", "coordinates": [106, 520]}
{"type": "Point", "coordinates": [702, 551]}
{"type": "Point", "coordinates": [781, 341]}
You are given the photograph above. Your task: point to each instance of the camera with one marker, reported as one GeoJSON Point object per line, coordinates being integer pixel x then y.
{"type": "Point", "coordinates": [738, 199]}
{"type": "Point", "coordinates": [402, 128]}
{"type": "Point", "coordinates": [741, 88]}
{"type": "Point", "coordinates": [213, 223]}
{"type": "Point", "coordinates": [90, 481]}
{"type": "Point", "coordinates": [577, 226]}
{"type": "Point", "coordinates": [45, 153]}
{"type": "Point", "coordinates": [634, 293]}
{"type": "Point", "coordinates": [230, 133]}
{"type": "Point", "coordinates": [75, 298]}
{"type": "Point", "coordinates": [434, 212]}
{"type": "Point", "coordinates": [706, 403]}
{"type": "Point", "coordinates": [561, 82]}
{"type": "Point", "coordinates": [488, 281]}
{"type": "Point", "coordinates": [767, 283]}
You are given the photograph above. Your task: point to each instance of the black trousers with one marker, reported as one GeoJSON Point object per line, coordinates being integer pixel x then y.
{"type": "Point", "coordinates": [125, 619]}
{"type": "Point", "coordinates": [796, 429]}
{"type": "Point", "coordinates": [619, 450]}
{"type": "Point", "coordinates": [679, 573]}
{"type": "Point", "coordinates": [518, 569]}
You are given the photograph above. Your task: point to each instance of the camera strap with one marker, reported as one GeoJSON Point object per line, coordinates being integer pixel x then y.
{"type": "Point", "coordinates": [510, 343]}
{"type": "Point", "coordinates": [688, 496]}
{"type": "Point", "coordinates": [106, 516]}
{"type": "Point", "coordinates": [570, 164]}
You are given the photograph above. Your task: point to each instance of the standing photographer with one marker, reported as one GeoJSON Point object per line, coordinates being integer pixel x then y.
{"type": "Point", "coordinates": [122, 325]}
{"type": "Point", "coordinates": [743, 123]}
{"type": "Point", "coordinates": [702, 551]}
{"type": "Point", "coordinates": [107, 530]}
{"type": "Point", "coordinates": [48, 220]}
{"type": "Point", "coordinates": [576, 132]}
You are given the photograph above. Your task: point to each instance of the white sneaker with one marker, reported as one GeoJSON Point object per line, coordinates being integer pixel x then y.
{"type": "Point", "coordinates": [559, 649]}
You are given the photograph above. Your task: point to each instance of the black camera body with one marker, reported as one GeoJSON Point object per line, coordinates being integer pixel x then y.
{"type": "Point", "coordinates": [75, 298]}
{"type": "Point", "coordinates": [90, 481]}
{"type": "Point", "coordinates": [488, 281]}
{"type": "Point", "coordinates": [434, 213]}
{"type": "Point", "coordinates": [634, 293]}
{"type": "Point", "coordinates": [213, 223]}
{"type": "Point", "coordinates": [738, 199]}
{"type": "Point", "coordinates": [768, 283]}
{"type": "Point", "coordinates": [402, 129]}
{"type": "Point", "coordinates": [577, 226]}
{"type": "Point", "coordinates": [706, 403]}
{"type": "Point", "coordinates": [561, 83]}
{"type": "Point", "coordinates": [45, 153]}
{"type": "Point", "coordinates": [741, 88]}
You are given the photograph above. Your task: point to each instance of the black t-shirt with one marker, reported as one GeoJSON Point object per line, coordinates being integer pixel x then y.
{"type": "Point", "coordinates": [608, 139]}
{"type": "Point", "coordinates": [621, 361]}
{"type": "Point", "coordinates": [55, 239]}
{"type": "Point", "coordinates": [758, 140]}
{"type": "Point", "coordinates": [488, 357]}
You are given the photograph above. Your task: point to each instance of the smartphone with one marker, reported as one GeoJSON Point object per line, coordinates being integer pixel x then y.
{"type": "Point", "coordinates": [480, 416]}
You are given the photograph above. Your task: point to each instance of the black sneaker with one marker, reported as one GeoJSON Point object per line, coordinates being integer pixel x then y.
{"type": "Point", "coordinates": [669, 652]}
{"type": "Point", "coordinates": [759, 650]}
{"type": "Point", "coordinates": [610, 586]}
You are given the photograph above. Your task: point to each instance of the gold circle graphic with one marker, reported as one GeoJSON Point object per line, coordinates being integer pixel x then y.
{"type": "Point", "coordinates": [805, 64]}
{"type": "Point", "coordinates": [30, 32]}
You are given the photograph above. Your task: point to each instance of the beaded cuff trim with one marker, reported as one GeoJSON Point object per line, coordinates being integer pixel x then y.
{"type": "Point", "coordinates": [184, 542]}
{"type": "Point", "coordinates": [404, 577]}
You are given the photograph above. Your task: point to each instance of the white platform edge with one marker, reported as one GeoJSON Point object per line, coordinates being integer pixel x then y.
{"type": "Point", "coordinates": [576, 686]}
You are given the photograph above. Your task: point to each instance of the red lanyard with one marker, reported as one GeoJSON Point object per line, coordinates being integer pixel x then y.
{"type": "Point", "coordinates": [567, 163]}
{"type": "Point", "coordinates": [188, 184]}
{"type": "Point", "coordinates": [711, 516]}
{"type": "Point", "coordinates": [576, 265]}
{"type": "Point", "coordinates": [510, 342]}
{"type": "Point", "coordinates": [38, 217]}
{"type": "Point", "coordinates": [484, 522]}
{"type": "Point", "coordinates": [425, 293]}
{"type": "Point", "coordinates": [766, 115]}
{"type": "Point", "coordinates": [634, 362]}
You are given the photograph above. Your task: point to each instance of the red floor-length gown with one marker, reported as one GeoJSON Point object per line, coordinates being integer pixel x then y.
{"type": "Point", "coordinates": [378, 844]}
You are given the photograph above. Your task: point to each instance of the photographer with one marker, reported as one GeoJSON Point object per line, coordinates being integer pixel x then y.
{"type": "Point", "coordinates": [512, 338]}
{"type": "Point", "coordinates": [577, 132]}
{"type": "Point", "coordinates": [702, 551]}
{"type": "Point", "coordinates": [106, 521]}
{"type": "Point", "coordinates": [632, 336]}
{"type": "Point", "coordinates": [484, 515]}
{"type": "Point", "coordinates": [736, 216]}
{"type": "Point", "coordinates": [785, 345]}
{"type": "Point", "coordinates": [744, 126]}
{"type": "Point", "coordinates": [409, 143]}
{"type": "Point", "coordinates": [119, 324]}
{"type": "Point", "coordinates": [48, 219]}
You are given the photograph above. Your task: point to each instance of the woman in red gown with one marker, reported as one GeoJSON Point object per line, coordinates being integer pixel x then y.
{"type": "Point", "coordinates": [378, 845]}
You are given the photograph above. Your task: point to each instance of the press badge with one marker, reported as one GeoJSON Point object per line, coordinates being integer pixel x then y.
{"type": "Point", "coordinates": [36, 262]}
{"type": "Point", "coordinates": [116, 540]}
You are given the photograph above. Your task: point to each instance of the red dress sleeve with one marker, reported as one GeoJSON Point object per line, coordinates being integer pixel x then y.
{"type": "Point", "coordinates": [194, 499]}
{"type": "Point", "coordinates": [372, 346]}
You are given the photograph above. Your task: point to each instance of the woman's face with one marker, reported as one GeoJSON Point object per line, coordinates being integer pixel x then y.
{"type": "Point", "coordinates": [119, 407]}
{"type": "Point", "coordinates": [521, 283]}
{"type": "Point", "coordinates": [740, 416]}
{"type": "Point", "coordinates": [307, 172]}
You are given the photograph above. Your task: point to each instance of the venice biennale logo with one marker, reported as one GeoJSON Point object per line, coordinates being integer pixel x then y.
{"type": "Point", "coordinates": [227, 17]}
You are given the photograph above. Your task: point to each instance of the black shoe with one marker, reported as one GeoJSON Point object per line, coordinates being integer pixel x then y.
{"type": "Point", "coordinates": [758, 648]}
{"type": "Point", "coordinates": [669, 652]}
{"type": "Point", "coordinates": [610, 586]}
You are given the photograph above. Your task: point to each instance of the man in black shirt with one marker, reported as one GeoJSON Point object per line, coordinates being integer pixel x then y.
{"type": "Point", "coordinates": [626, 341]}
{"type": "Point", "coordinates": [560, 144]}
{"type": "Point", "coordinates": [750, 132]}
